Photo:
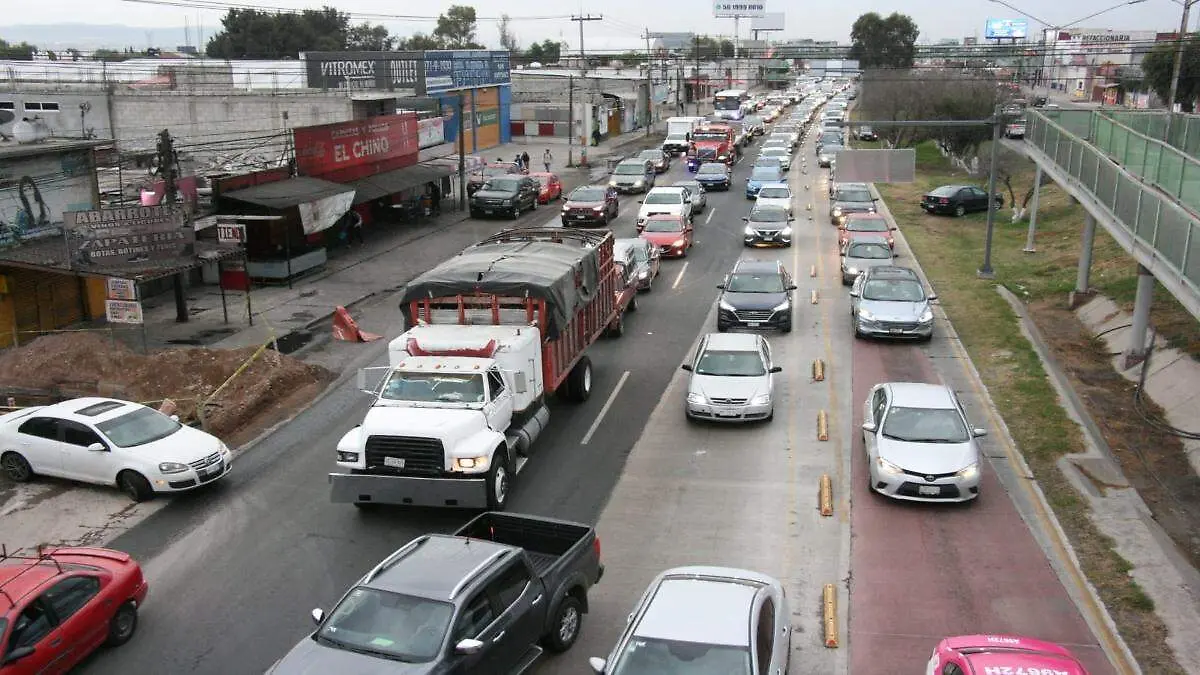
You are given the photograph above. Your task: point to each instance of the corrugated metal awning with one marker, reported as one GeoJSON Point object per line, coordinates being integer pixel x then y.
{"type": "Point", "coordinates": [397, 180]}
{"type": "Point", "coordinates": [288, 193]}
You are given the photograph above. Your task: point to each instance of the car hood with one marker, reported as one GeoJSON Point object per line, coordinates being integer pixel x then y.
{"type": "Point", "coordinates": [899, 312]}
{"type": "Point", "coordinates": [928, 458]}
{"type": "Point", "coordinates": [661, 238]}
{"type": "Point", "coordinates": [583, 205]}
{"type": "Point", "coordinates": [767, 226]}
{"type": "Point", "coordinates": [312, 658]}
{"type": "Point", "coordinates": [754, 300]}
{"type": "Point", "coordinates": [628, 177]}
{"type": "Point", "coordinates": [184, 446]}
{"type": "Point", "coordinates": [728, 387]}
{"type": "Point", "coordinates": [448, 424]}
{"type": "Point", "coordinates": [854, 206]}
{"type": "Point", "coordinates": [494, 194]}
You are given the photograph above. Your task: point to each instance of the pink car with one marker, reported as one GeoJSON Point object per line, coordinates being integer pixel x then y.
{"type": "Point", "coordinates": [1001, 655]}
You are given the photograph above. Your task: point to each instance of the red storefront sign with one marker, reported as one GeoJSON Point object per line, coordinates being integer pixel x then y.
{"type": "Point", "coordinates": [231, 183]}
{"type": "Point", "coordinates": [347, 151]}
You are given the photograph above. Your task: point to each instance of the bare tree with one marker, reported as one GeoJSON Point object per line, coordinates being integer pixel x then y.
{"type": "Point", "coordinates": [508, 39]}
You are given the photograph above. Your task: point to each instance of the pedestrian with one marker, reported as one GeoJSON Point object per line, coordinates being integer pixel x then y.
{"type": "Point", "coordinates": [517, 161]}
{"type": "Point", "coordinates": [435, 198]}
{"type": "Point", "coordinates": [546, 159]}
{"type": "Point", "coordinates": [356, 227]}
{"type": "Point", "coordinates": [595, 137]}
{"type": "Point", "coordinates": [525, 160]}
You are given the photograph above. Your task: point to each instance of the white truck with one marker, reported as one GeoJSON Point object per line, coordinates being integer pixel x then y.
{"type": "Point", "coordinates": [679, 130]}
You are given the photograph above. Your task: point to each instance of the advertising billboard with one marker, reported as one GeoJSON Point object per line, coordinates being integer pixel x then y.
{"type": "Point", "coordinates": [127, 236]}
{"type": "Point", "coordinates": [464, 69]}
{"type": "Point", "coordinates": [353, 71]}
{"type": "Point", "coordinates": [728, 10]}
{"type": "Point", "coordinates": [346, 151]}
{"type": "Point", "coordinates": [431, 132]}
{"type": "Point", "coordinates": [768, 21]}
{"type": "Point", "coordinates": [1006, 29]}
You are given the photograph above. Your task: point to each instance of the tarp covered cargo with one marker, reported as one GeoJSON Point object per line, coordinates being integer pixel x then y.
{"type": "Point", "coordinates": [521, 263]}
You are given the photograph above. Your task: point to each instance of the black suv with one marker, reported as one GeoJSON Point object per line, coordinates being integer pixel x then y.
{"type": "Point", "coordinates": [505, 195]}
{"type": "Point", "coordinates": [756, 294]}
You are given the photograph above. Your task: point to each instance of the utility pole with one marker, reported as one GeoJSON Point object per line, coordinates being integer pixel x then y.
{"type": "Point", "coordinates": [1177, 67]}
{"type": "Point", "coordinates": [649, 85]}
{"type": "Point", "coordinates": [168, 165]}
{"type": "Point", "coordinates": [678, 89]}
{"type": "Point", "coordinates": [462, 155]}
{"type": "Point", "coordinates": [581, 18]}
{"type": "Point", "coordinates": [571, 119]}
{"type": "Point", "coordinates": [986, 272]}
{"type": "Point", "coordinates": [696, 79]}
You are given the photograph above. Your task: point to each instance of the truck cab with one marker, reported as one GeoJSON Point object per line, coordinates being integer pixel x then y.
{"type": "Point", "coordinates": [713, 143]}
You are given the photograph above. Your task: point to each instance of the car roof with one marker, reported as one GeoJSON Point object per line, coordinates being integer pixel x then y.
{"type": "Point", "coordinates": [434, 566]}
{"type": "Point", "coordinates": [22, 575]}
{"type": "Point", "coordinates": [948, 188]}
{"type": "Point", "coordinates": [89, 410]}
{"type": "Point", "coordinates": [851, 186]}
{"type": "Point", "coordinates": [709, 610]}
{"type": "Point", "coordinates": [733, 342]}
{"type": "Point", "coordinates": [894, 272]}
{"type": "Point", "coordinates": [920, 395]}
{"type": "Point", "coordinates": [667, 188]}
{"type": "Point", "coordinates": [775, 185]}
{"type": "Point", "coordinates": [757, 266]}
{"type": "Point", "coordinates": [631, 161]}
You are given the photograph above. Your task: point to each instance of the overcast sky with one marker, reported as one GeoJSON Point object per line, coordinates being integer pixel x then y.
{"type": "Point", "coordinates": [624, 20]}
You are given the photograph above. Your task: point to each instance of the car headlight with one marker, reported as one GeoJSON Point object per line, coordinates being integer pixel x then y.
{"type": "Point", "coordinates": [887, 467]}
{"type": "Point", "coordinates": [781, 306]}
{"type": "Point", "coordinates": [852, 271]}
{"type": "Point", "coordinates": [612, 183]}
{"type": "Point", "coordinates": [696, 397]}
{"type": "Point", "coordinates": [639, 182]}
{"type": "Point", "coordinates": [597, 209]}
{"type": "Point", "coordinates": [969, 473]}
{"type": "Point", "coordinates": [927, 315]}
{"type": "Point", "coordinates": [470, 463]}
{"type": "Point", "coordinates": [678, 243]}
{"type": "Point", "coordinates": [721, 158]}
{"type": "Point", "coordinates": [787, 231]}
{"type": "Point", "coordinates": [566, 208]}
{"type": "Point", "coordinates": [865, 315]}
{"type": "Point", "coordinates": [643, 274]}
{"type": "Point", "coordinates": [761, 399]}
{"type": "Point", "coordinates": [726, 306]}
{"type": "Point", "coordinates": [749, 231]}
{"type": "Point", "coordinates": [837, 211]}
{"type": "Point", "coordinates": [507, 202]}
{"type": "Point", "coordinates": [222, 448]}
{"type": "Point", "coordinates": [347, 456]}
{"type": "Point", "coordinates": [172, 467]}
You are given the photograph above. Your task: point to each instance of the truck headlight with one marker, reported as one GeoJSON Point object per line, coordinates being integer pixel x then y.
{"type": "Point", "coordinates": [887, 467]}
{"type": "Point", "coordinates": [761, 399]}
{"type": "Point", "coordinates": [506, 202]}
{"type": "Point", "coordinates": [780, 307]}
{"type": "Point", "coordinates": [347, 456]}
{"type": "Point", "coordinates": [470, 463]}
{"type": "Point", "coordinates": [172, 467]}
{"type": "Point", "coordinates": [697, 398]}
{"type": "Point", "coordinates": [969, 473]}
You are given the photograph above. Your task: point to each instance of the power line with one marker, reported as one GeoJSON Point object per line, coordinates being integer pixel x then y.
{"type": "Point", "coordinates": [205, 4]}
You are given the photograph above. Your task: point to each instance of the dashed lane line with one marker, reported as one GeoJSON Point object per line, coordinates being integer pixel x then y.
{"type": "Point", "coordinates": [604, 411]}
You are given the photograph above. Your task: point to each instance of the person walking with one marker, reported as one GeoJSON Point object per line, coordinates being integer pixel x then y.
{"type": "Point", "coordinates": [547, 158]}
{"type": "Point", "coordinates": [356, 227]}
{"type": "Point", "coordinates": [525, 160]}
{"type": "Point", "coordinates": [435, 198]}
{"type": "Point", "coordinates": [518, 162]}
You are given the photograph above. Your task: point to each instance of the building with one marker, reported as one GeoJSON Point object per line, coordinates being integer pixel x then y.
{"type": "Point", "coordinates": [1085, 61]}
{"type": "Point", "coordinates": [546, 102]}
{"type": "Point", "coordinates": [672, 44]}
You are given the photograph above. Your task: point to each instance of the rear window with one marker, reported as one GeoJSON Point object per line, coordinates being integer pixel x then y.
{"type": "Point", "coordinates": [945, 191]}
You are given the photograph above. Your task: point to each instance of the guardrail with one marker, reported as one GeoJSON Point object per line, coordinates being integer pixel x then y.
{"type": "Point", "coordinates": [1184, 133]}
{"type": "Point", "coordinates": [1153, 221]}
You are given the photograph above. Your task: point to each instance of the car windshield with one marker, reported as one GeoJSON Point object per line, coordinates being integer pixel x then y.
{"type": "Point", "coordinates": [689, 184]}
{"type": "Point", "coordinates": [893, 290]}
{"type": "Point", "coordinates": [730, 364]}
{"type": "Point", "coordinates": [853, 196]}
{"type": "Point", "coordinates": [664, 198]}
{"type": "Point", "coordinates": [866, 225]}
{"type": "Point", "coordinates": [501, 185]}
{"type": "Point", "coordinates": [663, 225]}
{"type": "Point", "coordinates": [764, 173]}
{"type": "Point", "coordinates": [652, 155]}
{"type": "Point", "coordinates": [496, 170]}
{"type": "Point", "coordinates": [775, 151]}
{"type": "Point", "coordinates": [754, 283]}
{"type": "Point", "coordinates": [774, 193]}
{"type": "Point", "coordinates": [769, 215]}
{"type": "Point", "coordinates": [390, 625]}
{"type": "Point", "coordinates": [587, 195]}
{"type": "Point", "coordinates": [925, 425]}
{"type": "Point", "coordinates": [434, 387]}
{"type": "Point", "coordinates": [869, 251]}
{"type": "Point", "coordinates": [676, 137]}
{"type": "Point", "coordinates": [629, 170]}
{"type": "Point", "coordinates": [830, 149]}
{"type": "Point", "coordinates": [139, 427]}
{"type": "Point", "coordinates": [706, 169]}
{"type": "Point", "coordinates": [646, 656]}
{"type": "Point", "coordinates": [945, 191]}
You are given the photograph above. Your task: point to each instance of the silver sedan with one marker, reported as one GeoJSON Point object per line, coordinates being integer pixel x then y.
{"type": "Point", "coordinates": [732, 379]}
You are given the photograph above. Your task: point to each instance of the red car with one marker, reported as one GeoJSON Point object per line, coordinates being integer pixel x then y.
{"type": "Point", "coordinates": [552, 187]}
{"type": "Point", "coordinates": [670, 234]}
{"type": "Point", "coordinates": [866, 223]}
{"type": "Point", "coordinates": [59, 606]}
{"type": "Point", "coordinates": [590, 205]}
{"type": "Point", "coordinates": [1002, 654]}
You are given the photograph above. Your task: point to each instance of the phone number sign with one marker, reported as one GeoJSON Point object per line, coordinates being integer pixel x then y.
{"type": "Point", "coordinates": [729, 10]}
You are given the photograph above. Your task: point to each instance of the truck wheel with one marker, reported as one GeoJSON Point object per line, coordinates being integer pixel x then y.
{"type": "Point", "coordinates": [617, 329]}
{"type": "Point", "coordinates": [633, 305]}
{"type": "Point", "coordinates": [498, 481]}
{"type": "Point", "coordinates": [564, 629]}
{"type": "Point", "coordinates": [579, 382]}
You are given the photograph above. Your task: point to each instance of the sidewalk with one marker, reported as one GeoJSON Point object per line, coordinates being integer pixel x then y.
{"type": "Point", "coordinates": [299, 315]}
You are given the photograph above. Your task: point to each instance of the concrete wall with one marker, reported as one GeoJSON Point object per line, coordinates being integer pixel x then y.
{"type": "Point", "coordinates": [62, 181]}
{"type": "Point", "coordinates": [65, 122]}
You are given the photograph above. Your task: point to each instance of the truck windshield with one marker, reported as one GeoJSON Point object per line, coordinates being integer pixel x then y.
{"type": "Point", "coordinates": [391, 625]}
{"type": "Point", "coordinates": [434, 387]}
{"type": "Point", "coordinates": [652, 655]}
{"type": "Point", "coordinates": [702, 136]}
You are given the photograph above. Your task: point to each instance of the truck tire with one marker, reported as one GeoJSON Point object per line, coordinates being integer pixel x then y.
{"type": "Point", "coordinates": [579, 382]}
{"type": "Point", "coordinates": [564, 626]}
{"type": "Point", "coordinates": [499, 481]}
{"type": "Point", "coordinates": [617, 329]}
{"type": "Point", "coordinates": [633, 304]}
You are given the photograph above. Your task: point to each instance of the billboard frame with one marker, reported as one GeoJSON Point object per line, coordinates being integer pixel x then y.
{"type": "Point", "coordinates": [1009, 24]}
{"type": "Point", "coordinates": [768, 22]}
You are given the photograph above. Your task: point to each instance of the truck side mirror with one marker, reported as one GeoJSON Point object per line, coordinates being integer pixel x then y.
{"type": "Point", "coordinates": [468, 646]}
{"type": "Point", "coordinates": [520, 383]}
{"type": "Point", "coordinates": [360, 381]}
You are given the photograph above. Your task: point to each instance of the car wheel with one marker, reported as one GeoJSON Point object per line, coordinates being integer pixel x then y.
{"type": "Point", "coordinates": [498, 481]}
{"type": "Point", "coordinates": [959, 211]}
{"type": "Point", "coordinates": [564, 629]}
{"type": "Point", "coordinates": [618, 328]}
{"type": "Point", "coordinates": [516, 213]}
{"type": "Point", "coordinates": [135, 486]}
{"type": "Point", "coordinates": [123, 624]}
{"type": "Point", "coordinates": [16, 468]}
{"type": "Point", "coordinates": [633, 304]}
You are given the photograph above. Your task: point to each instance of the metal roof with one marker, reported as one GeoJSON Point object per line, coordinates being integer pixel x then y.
{"type": "Point", "coordinates": [287, 193]}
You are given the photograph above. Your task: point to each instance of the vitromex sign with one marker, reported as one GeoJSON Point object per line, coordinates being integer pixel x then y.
{"type": "Point", "coordinates": [350, 71]}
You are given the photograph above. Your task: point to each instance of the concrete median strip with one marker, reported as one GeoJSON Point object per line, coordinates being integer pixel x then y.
{"type": "Point", "coordinates": [818, 371]}
{"type": "Point", "coordinates": [829, 615]}
{"type": "Point", "coordinates": [814, 296]}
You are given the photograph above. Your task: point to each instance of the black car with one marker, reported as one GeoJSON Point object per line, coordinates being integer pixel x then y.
{"type": "Point", "coordinates": [756, 294]}
{"type": "Point", "coordinates": [768, 226]}
{"type": "Point", "coordinates": [866, 134]}
{"type": "Point", "coordinates": [505, 196]}
{"type": "Point", "coordinates": [658, 158]}
{"type": "Point", "coordinates": [958, 200]}
{"type": "Point", "coordinates": [713, 176]}
{"type": "Point", "coordinates": [590, 205]}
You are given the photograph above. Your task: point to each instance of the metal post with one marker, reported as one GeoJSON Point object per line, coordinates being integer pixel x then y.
{"type": "Point", "coordinates": [1033, 209]}
{"type": "Point", "coordinates": [986, 272]}
{"type": "Point", "coordinates": [1141, 317]}
{"type": "Point", "coordinates": [1083, 276]}
{"type": "Point", "coordinates": [570, 120]}
{"type": "Point", "coordinates": [287, 250]}
{"type": "Point", "coordinates": [221, 283]}
{"type": "Point", "coordinates": [696, 80]}
{"type": "Point", "coordinates": [1178, 65]}
{"type": "Point", "coordinates": [462, 156]}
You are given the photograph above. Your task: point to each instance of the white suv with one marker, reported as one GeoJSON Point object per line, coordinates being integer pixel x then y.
{"type": "Point", "coordinates": [675, 201]}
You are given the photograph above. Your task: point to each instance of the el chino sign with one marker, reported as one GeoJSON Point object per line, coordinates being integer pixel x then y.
{"type": "Point", "coordinates": [350, 150]}
{"type": "Point", "coordinates": [129, 236]}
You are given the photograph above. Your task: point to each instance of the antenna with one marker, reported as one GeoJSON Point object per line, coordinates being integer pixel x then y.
{"type": "Point", "coordinates": [187, 31]}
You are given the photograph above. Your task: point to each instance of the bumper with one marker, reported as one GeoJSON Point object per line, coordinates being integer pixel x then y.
{"type": "Point", "coordinates": [885, 330]}
{"type": "Point", "coordinates": [715, 185]}
{"type": "Point", "coordinates": [672, 251]}
{"type": "Point", "coordinates": [491, 211]}
{"type": "Point", "coordinates": [916, 489]}
{"type": "Point", "coordinates": [629, 189]}
{"type": "Point", "coordinates": [140, 593]}
{"type": "Point", "coordinates": [760, 240]}
{"type": "Point", "coordinates": [589, 220]}
{"type": "Point", "coordinates": [778, 320]}
{"type": "Point", "coordinates": [470, 493]}
{"type": "Point", "coordinates": [944, 209]}
{"type": "Point", "coordinates": [182, 482]}
{"type": "Point", "coordinates": [824, 162]}
{"type": "Point", "coordinates": [728, 413]}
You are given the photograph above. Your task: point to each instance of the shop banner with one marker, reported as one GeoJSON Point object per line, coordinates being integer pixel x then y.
{"type": "Point", "coordinates": [127, 236]}
{"type": "Point", "coordinates": [431, 132]}
{"type": "Point", "coordinates": [373, 145]}
{"type": "Point", "coordinates": [465, 69]}
{"type": "Point", "coordinates": [322, 214]}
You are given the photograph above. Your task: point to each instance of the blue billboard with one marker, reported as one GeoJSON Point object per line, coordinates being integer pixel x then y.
{"type": "Point", "coordinates": [465, 69]}
{"type": "Point", "coordinates": [1006, 29]}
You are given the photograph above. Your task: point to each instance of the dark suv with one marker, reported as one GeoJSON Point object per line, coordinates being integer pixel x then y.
{"type": "Point", "coordinates": [505, 195]}
{"type": "Point", "coordinates": [756, 294]}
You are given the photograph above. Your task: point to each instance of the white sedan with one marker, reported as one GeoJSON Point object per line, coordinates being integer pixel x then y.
{"type": "Point", "coordinates": [775, 194]}
{"type": "Point", "coordinates": [110, 442]}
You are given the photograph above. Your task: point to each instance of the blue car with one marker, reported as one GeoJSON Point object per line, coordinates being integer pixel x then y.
{"type": "Point", "coordinates": [713, 176]}
{"type": "Point", "coordinates": [760, 175]}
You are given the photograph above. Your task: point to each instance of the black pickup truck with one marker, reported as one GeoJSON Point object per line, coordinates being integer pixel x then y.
{"type": "Point", "coordinates": [487, 599]}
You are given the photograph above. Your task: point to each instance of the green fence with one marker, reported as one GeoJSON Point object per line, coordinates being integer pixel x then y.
{"type": "Point", "coordinates": [1184, 133]}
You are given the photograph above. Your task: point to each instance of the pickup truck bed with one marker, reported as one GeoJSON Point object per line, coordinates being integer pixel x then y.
{"type": "Point", "coordinates": [551, 545]}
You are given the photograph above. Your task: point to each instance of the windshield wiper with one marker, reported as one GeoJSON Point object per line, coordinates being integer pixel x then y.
{"type": "Point", "coordinates": [903, 439]}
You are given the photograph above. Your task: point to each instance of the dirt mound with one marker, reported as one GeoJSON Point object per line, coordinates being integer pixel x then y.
{"type": "Point", "coordinates": [82, 364]}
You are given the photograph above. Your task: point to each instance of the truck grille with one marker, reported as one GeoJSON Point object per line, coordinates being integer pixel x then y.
{"type": "Point", "coordinates": [753, 314]}
{"type": "Point", "coordinates": [421, 456]}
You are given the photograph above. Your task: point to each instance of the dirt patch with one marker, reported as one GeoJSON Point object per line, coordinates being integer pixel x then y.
{"type": "Point", "coordinates": [1154, 462]}
{"type": "Point", "coordinates": [67, 365]}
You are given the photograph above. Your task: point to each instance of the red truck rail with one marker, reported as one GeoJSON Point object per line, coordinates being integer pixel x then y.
{"type": "Point", "coordinates": [561, 352]}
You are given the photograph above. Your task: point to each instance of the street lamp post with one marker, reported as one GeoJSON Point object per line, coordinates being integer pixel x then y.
{"type": "Point", "coordinates": [1177, 66]}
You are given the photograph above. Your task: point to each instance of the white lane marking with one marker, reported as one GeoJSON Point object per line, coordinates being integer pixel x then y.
{"type": "Point", "coordinates": [679, 277]}
{"type": "Point", "coordinates": [708, 217]}
{"type": "Point", "coordinates": [604, 411]}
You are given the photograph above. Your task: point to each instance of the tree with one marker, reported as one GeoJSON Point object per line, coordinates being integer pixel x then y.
{"type": "Point", "coordinates": [456, 28]}
{"type": "Point", "coordinates": [419, 42]}
{"type": "Point", "coordinates": [709, 48]}
{"type": "Point", "coordinates": [255, 34]}
{"type": "Point", "coordinates": [546, 51]}
{"type": "Point", "coordinates": [367, 38]}
{"type": "Point", "coordinates": [109, 55]}
{"type": "Point", "coordinates": [508, 39]}
{"type": "Point", "coordinates": [73, 53]}
{"type": "Point", "coordinates": [1157, 66]}
{"type": "Point", "coordinates": [884, 43]}
{"type": "Point", "coordinates": [930, 95]}
{"type": "Point", "coordinates": [17, 51]}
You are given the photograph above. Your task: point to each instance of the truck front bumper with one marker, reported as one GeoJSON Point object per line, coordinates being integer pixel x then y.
{"type": "Point", "coordinates": [466, 493]}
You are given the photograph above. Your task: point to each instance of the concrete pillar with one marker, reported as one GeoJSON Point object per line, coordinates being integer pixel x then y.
{"type": "Point", "coordinates": [1083, 278]}
{"type": "Point", "coordinates": [1136, 351]}
{"type": "Point", "coordinates": [1033, 209]}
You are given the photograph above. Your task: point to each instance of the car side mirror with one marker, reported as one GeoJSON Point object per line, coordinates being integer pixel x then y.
{"type": "Point", "coordinates": [721, 286]}
{"type": "Point", "coordinates": [96, 447]}
{"type": "Point", "coordinates": [745, 219]}
{"type": "Point", "coordinates": [687, 367]}
{"type": "Point", "coordinates": [467, 646]}
{"type": "Point", "coordinates": [791, 219]}
{"type": "Point", "coordinates": [641, 201]}
{"type": "Point", "coordinates": [933, 297]}
{"type": "Point", "coordinates": [792, 287]}
{"type": "Point", "coordinates": [22, 652]}
{"type": "Point", "coordinates": [318, 615]}
{"type": "Point", "coordinates": [869, 427]}
{"type": "Point", "coordinates": [978, 433]}
{"type": "Point", "coordinates": [893, 229]}
{"type": "Point", "coordinates": [854, 294]}
{"type": "Point", "coordinates": [776, 369]}
{"type": "Point", "coordinates": [597, 664]}
{"type": "Point", "coordinates": [175, 418]}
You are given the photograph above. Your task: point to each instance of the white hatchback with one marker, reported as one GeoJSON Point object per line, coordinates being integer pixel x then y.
{"type": "Point", "coordinates": [110, 442]}
{"type": "Point", "coordinates": [775, 194]}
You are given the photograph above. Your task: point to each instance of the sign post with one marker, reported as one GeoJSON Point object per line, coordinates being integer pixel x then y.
{"type": "Point", "coordinates": [121, 305]}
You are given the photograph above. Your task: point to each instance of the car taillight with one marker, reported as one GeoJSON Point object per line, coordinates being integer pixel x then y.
{"type": "Point", "coordinates": [596, 545]}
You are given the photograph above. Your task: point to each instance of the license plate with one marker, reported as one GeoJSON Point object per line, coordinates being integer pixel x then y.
{"type": "Point", "coordinates": [930, 490]}
{"type": "Point", "coordinates": [487, 211]}
{"type": "Point", "coordinates": [580, 217]}
{"type": "Point", "coordinates": [212, 471]}
{"type": "Point", "coordinates": [754, 324]}
{"type": "Point", "coordinates": [726, 413]}
{"type": "Point", "coordinates": [394, 462]}
{"type": "Point", "coordinates": [895, 331]}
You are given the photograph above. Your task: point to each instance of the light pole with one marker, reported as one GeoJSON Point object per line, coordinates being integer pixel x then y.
{"type": "Point", "coordinates": [1178, 65]}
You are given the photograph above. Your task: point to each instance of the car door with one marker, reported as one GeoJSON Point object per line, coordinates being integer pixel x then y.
{"type": "Point", "coordinates": [82, 620]}
{"type": "Point", "coordinates": [34, 628]}
{"type": "Point", "coordinates": [80, 463]}
{"type": "Point", "coordinates": [875, 414]}
{"type": "Point", "coordinates": [856, 293]}
{"type": "Point", "coordinates": [37, 441]}
{"type": "Point", "coordinates": [765, 351]}
{"type": "Point", "coordinates": [477, 621]}
{"type": "Point", "coordinates": [499, 407]}
{"type": "Point", "coordinates": [518, 599]}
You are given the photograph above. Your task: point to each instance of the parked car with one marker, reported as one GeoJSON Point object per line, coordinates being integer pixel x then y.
{"type": "Point", "coordinates": [865, 225]}
{"type": "Point", "coordinates": [1015, 129]}
{"type": "Point", "coordinates": [778, 152]}
{"type": "Point", "coordinates": [644, 258]}
{"type": "Point", "coordinates": [710, 620]}
{"type": "Point", "coordinates": [768, 226]}
{"type": "Point", "coordinates": [756, 294]}
{"type": "Point", "coordinates": [632, 175]}
{"type": "Point", "coordinates": [660, 160]}
{"type": "Point", "coordinates": [827, 154]}
{"type": "Point", "coordinates": [505, 196]}
{"type": "Point", "coordinates": [590, 205]}
{"type": "Point", "coordinates": [890, 301]}
{"type": "Point", "coordinates": [862, 253]}
{"type": "Point", "coordinates": [110, 442]}
{"type": "Point", "coordinates": [732, 379]}
{"type": "Point", "coordinates": [775, 194]}
{"type": "Point", "coordinates": [714, 176]}
{"type": "Point", "coordinates": [671, 234]}
{"type": "Point", "coordinates": [958, 200]}
{"type": "Point", "coordinates": [492, 170]}
{"type": "Point", "coordinates": [919, 445]}
{"type": "Point", "coordinates": [1000, 653]}
{"type": "Point", "coordinates": [696, 191]}
{"type": "Point", "coordinates": [761, 175]}
{"type": "Point", "coordinates": [866, 134]}
{"type": "Point", "coordinates": [549, 186]}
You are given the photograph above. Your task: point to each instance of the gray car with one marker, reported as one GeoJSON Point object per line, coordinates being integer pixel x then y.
{"type": "Point", "coordinates": [699, 194]}
{"type": "Point", "coordinates": [863, 253]}
{"type": "Point", "coordinates": [890, 301]}
{"type": "Point", "coordinates": [918, 443]}
{"type": "Point", "coordinates": [827, 154]}
{"type": "Point", "coordinates": [732, 379]}
{"type": "Point", "coordinates": [705, 620]}
{"type": "Point", "coordinates": [644, 258]}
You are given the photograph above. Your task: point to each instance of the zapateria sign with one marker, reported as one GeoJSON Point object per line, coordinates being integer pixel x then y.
{"type": "Point", "coordinates": [127, 236]}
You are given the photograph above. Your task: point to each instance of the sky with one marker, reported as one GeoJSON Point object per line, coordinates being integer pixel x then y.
{"type": "Point", "coordinates": [624, 20]}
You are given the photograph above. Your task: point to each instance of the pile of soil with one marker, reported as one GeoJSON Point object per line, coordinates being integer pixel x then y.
{"type": "Point", "coordinates": [87, 364]}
